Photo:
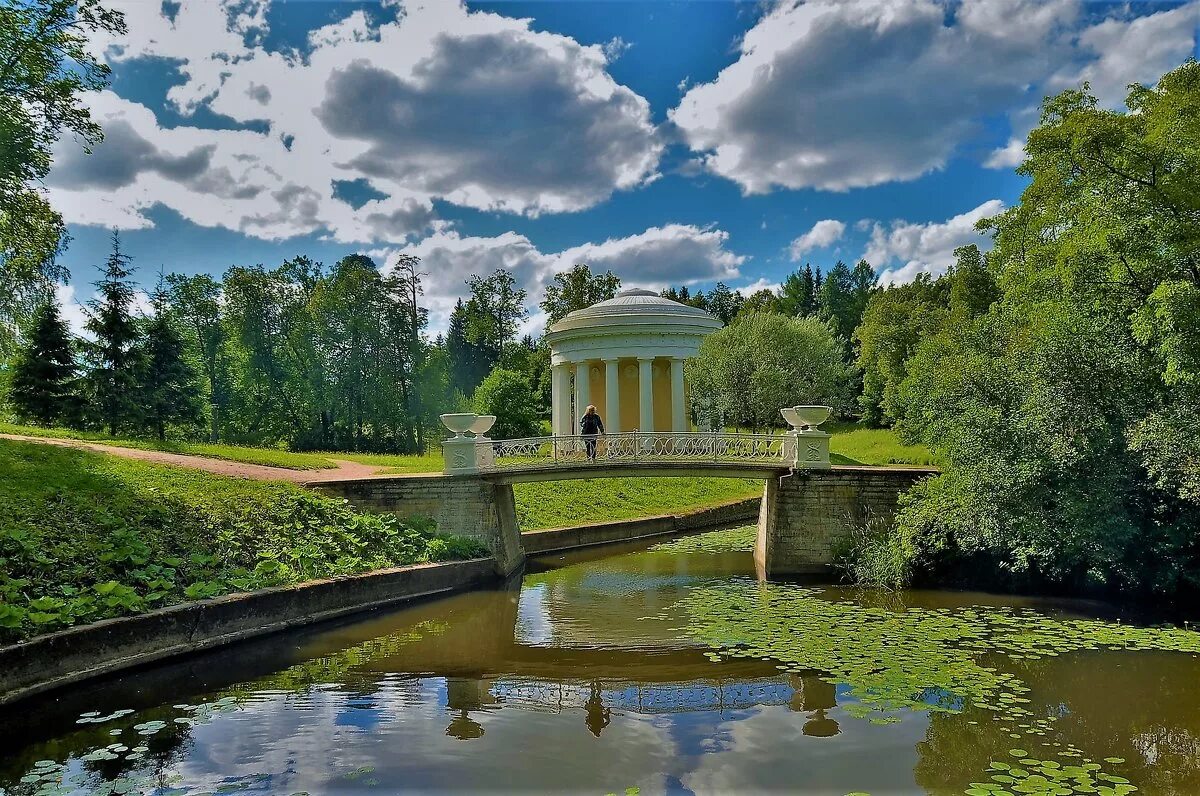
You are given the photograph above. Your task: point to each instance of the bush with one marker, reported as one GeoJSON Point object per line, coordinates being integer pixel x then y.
{"type": "Point", "coordinates": [84, 536]}
{"type": "Point", "coordinates": [507, 395]}
{"type": "Point", "coordinates": [748, 371]}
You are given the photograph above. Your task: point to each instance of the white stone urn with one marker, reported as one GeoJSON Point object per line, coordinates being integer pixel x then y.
{"type": "Point", "coordinates": [460, 422]}
{"type": "Point", "coordinates": [482, 424]}
{"type": "Point", "coordinates": [802, 418]}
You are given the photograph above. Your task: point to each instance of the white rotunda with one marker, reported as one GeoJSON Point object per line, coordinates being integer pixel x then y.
{"type": "Point", "coordinates": [625, 356]}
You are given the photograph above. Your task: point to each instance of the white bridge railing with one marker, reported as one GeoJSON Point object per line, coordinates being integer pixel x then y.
{"type": "Point", "coordinates": [636, 447]}
{"type": "Point", "coordinates": [482, 454]}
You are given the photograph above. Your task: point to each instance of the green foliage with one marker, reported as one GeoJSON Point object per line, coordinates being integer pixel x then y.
{"type": "Point", "coordinates": [575, 289]}
{"type": "Point", "coordinates": [44, 371]}
{"type": "Point", "coordinates": [115, 358]}
{"type": "Point", "coordinates": [507, 395]}
{"type": "Point", "coordinates": [168, 388]}
{"type": "Point", "coordinates": [85, 536]}
{"type": "Point", "coordinates": [46, 68]}
{"type": "Point", "coordinates": [747, 371]}
{"type": "Point", "coordinates": [555, 504]}
{"type": "Point", "coordinates": [1063, 400]}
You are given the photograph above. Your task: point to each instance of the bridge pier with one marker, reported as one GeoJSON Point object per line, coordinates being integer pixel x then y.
{"type": "Point", "coordinates": [805, 515]}
{"type": "Point", "coordinates": [471, 507]}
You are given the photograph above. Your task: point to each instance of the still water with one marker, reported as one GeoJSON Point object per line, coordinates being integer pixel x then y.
{"type": "Point", "coordinates": [669, 670]}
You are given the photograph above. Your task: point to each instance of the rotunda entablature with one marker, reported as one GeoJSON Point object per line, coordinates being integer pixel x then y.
{"type": "Point", "coordinates": [636, 323]}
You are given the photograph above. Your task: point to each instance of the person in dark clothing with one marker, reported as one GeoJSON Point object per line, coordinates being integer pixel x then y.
{"type": "Point", "coordinates": [589, 426]}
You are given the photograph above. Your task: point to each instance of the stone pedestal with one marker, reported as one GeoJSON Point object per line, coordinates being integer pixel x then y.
{"type": "Point", "coordinates": [807, 450]}
{"type": "Point", "coordinates": [458, 454]}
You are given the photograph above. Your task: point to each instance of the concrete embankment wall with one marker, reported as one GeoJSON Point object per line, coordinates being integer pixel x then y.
{"type": "Point", "coordinates": [805, 516]}
{"type": "Point", "coordinates": [553, 540]}
{"type": "Point", "coordinates": [78, 654]}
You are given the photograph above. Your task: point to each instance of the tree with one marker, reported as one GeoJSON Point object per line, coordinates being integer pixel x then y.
{"type": "Point", "coordinates": [507, 395]}
{"type": "Point", "coordinates": [168, 388]}
{"type": "Point", "coordinates": [765, 300]}
{"type": "Point", "coordinates": [44, 371]}
{"type": "Point", "coordinates": [46, 65]}
{"type": "Point", "coordinates": [115, 357]}
{"type": "Point", "coordinates": [836, 301]}
{"type": "Point", "coordinates": [195, 303]}
{"type": "Point", "coordinates": [895, 322]}
{"type": "Point", "coordinates": [575, 289]}
{"type": "Point", "coordinates": [798, 294]}
{"type": "Point", "coordinates": [748, 371]}
{"type": "Point", "coordinates": [492, 313]}
{"type": "Point", "coordinates": [467, 361]}
{"type": "Point", "coordinates": [1065, 407]}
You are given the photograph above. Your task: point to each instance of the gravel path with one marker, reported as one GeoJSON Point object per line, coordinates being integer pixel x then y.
{"type": "Point", "coordinates": [257, 472]}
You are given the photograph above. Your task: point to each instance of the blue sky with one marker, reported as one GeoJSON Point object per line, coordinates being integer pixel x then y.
{"type": "Point", "coordinates": [671, 142]}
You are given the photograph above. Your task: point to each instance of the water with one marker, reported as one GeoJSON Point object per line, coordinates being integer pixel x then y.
{"type": "Point", "coordinates": [599, 672]}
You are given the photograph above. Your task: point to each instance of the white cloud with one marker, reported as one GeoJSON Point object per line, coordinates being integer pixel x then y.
{"type": "Point", "coordinates": [762, 283]}
{"type": "Point", "coordinates": [836, 95]}
{"type": "Point", "coordinates": [1008, 156]}
{"type": "Point", "coordinates": [472, 108]}
{"type": "Point", "coordinates": [822, 234]}
{"type": "Point", "coordinates": [904, 249]}
{"type": "Point", "coordinates": [670, 255]}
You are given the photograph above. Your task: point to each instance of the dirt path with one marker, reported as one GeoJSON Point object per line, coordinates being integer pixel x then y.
{"type": "Point", "coordinates": [257, 472]}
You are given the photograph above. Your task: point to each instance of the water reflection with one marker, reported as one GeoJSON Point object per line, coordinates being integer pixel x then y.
{"type": "Point", "coordinates": [560, 682]}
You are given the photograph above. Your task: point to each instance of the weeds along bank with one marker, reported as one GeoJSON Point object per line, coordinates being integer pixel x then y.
{"type": "Point", "coordinates": [85, 536]}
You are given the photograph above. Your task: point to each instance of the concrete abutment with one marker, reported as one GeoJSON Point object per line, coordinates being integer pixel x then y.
{"type": "Point", "coordinates": [806, 515]}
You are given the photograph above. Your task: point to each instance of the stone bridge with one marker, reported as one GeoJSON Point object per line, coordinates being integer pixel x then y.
{"type": "Point", "coordinates": [803, 515]}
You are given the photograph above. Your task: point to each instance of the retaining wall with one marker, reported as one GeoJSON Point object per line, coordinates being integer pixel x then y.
{"type": "Point", "coordinates": [805, 516]}
{"type": "Point", "coordinates": [553, 540]}
{"type": "Point", "coordinates": [78, 654]}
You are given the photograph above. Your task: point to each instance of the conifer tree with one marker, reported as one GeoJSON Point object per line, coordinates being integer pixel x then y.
{"type": "Point", "coordinates": [168, 388]}
{"type": "Point", "coordinates": [45, 369]}
{"type": "Point", "coordinates": [116, 357]}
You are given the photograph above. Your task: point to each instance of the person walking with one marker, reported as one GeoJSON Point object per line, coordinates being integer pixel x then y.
{"type": "Point", "coordinates": [589, 426]}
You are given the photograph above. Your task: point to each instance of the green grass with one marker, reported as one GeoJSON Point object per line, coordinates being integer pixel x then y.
{"type": "Point", "coordinates": [853, 444]}
{"type": "Point", "coordinates": [84, 536]}
{"type": "Point", "coordinates": [270, 457]}
{"type": "Point", "coordinates": [551, 504]}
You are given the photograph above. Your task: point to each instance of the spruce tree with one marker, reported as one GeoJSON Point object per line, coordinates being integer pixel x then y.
{"type": "Point", "coordinates": [45, 369]}
{"type": "Point", "coordinates": [168, 388]}
{"type": "Point", "coordinates": [115, 356]}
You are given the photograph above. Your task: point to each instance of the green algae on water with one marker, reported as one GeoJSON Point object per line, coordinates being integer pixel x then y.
{"type": "Point", "coordinates": [930, 660]}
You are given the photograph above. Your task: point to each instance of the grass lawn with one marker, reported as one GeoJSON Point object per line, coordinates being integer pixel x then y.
{"type": "Point", "coordinates": [270, 457]}
{"type": "Point", "coordinates": [853, 444]}
{"type": "Point", "coordinates": [85, 536]}
{"type": "Point", "coordinates": [551, 504]}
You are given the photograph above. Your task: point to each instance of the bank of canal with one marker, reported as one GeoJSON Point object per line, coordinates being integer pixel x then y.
{"type": "Point", "coordinates": [667, 668]}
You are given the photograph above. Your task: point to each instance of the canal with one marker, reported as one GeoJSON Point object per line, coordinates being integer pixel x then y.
{"type": "Point", "coordinates": [666, 668]}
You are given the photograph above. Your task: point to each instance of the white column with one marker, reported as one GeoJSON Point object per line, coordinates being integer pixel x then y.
{"type": "Point", "coordinates": [612, 396]}
{"type": "Point", "coordinates": [583, 392]}
{"type": "Point", "coordinates": [560, 400]}
{"type": "Point", "coordinates": [678, 409]}
{"type": "Point", "coordinates": [646, 392]}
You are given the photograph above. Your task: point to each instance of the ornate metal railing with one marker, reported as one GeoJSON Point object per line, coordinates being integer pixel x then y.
{"type": "Point", "coordinates": [633, 447]}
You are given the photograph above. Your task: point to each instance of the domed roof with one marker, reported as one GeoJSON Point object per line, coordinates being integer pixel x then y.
{"type": "Point", "coordinates": [636, 307]}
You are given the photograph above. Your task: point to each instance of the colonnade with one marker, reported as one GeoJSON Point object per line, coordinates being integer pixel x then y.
{"type": "Point", "coordinates": [566, 422]}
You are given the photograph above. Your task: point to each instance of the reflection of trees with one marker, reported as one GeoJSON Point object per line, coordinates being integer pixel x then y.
{"type": "Point", "coordinates": [1140, 706]}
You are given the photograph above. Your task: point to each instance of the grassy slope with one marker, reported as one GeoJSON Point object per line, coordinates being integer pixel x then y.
{"type": "Point", "coordinates": [857, 445]}
{"type": "Point", "coordinates": [85, 535]}
{"type": "Point", "coordinates": [551, 504]}
{"type": "Point", "coordinates": [271, 457]}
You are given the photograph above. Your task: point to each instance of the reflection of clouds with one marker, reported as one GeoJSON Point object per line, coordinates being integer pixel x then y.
{"type": "Point", "coordinates": [533, 619]}
{"type": "Point", "coordinates": [298, 742]}
{"type": "Point", "coordinates": [774, 755]}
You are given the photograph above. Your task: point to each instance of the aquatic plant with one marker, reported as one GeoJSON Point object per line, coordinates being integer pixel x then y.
{"type": "Point", "coordinates": [732, 540]}
{"type": "Point", "coordinates": [930, 660]}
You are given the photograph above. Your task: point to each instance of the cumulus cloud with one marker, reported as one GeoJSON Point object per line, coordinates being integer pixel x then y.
{"type": "Point", "coordinates": [437, 103]}
{"type": "Point", "coordinates": [836, 95]}
{"type": "Point", "coordinates": [823, 233]}
{"type": "Point", "coordinates": [661, 256]}
{"type": "Point", "coordinates": [1008, 156]}
{"type": "Point", "coordinates": [904, 249]}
